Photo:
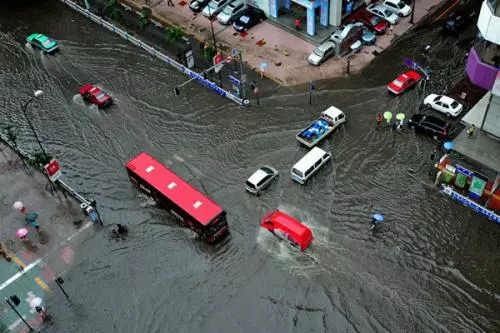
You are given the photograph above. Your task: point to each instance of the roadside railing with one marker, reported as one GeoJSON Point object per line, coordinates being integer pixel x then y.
{"type": "Point", "coordinates": [155, 53]}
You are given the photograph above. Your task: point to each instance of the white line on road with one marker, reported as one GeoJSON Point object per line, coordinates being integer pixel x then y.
{"type": "Point", "coordinates": [18, 275]}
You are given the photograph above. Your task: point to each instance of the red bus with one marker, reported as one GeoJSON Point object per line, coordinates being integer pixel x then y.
{"type": "Point", "coordinates": [193, 209]}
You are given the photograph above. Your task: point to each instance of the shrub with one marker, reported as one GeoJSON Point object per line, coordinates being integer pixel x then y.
{"type": "Point", "coordinates": [173, 34]}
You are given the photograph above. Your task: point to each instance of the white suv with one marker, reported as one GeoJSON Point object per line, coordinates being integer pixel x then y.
{"type": "Point", "coordinates": [261, 179]}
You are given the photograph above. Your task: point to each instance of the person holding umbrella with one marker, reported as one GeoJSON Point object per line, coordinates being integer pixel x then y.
{"type": "Point", "coordinates": [377, 218]}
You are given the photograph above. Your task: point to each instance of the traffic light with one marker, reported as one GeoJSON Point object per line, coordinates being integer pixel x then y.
{"type": "Point", "coordinates": [177, 91]}
{"type": "Point", "coordinates": [15, 300]}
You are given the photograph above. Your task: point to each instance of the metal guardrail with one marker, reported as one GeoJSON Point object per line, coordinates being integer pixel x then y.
{"type": "Point", "coordinates": [24, 155]}
{"type": "Point", "coordinates": [155, 53]}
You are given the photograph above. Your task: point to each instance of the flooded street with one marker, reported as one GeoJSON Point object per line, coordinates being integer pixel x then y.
{"type": "Point", "coordinates": [433, 266]}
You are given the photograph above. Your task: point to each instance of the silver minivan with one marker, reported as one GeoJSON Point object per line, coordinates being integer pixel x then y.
{"type": "Point", "coordinates": [310, 164]}
{"type": "Point", "coordinates": [214, 7]}
{"type": "Point", "coordinates": [232, 12]}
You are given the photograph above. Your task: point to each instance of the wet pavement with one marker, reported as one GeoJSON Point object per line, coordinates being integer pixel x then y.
{"type": "Point", "coordinates": [48, 253]}
{"type": "Point", "coordinates": [433, 266]}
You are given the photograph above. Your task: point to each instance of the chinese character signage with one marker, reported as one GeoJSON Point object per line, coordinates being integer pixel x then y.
{"type": "Point", "coordinates": [477, 186]}
{"type": "Point", "coordinates": [53, 170]}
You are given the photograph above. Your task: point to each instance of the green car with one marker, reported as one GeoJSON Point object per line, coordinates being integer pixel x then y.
{"type": "Point", "coordinates": [43, 42]}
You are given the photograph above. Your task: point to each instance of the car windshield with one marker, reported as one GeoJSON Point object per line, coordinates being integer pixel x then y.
{"type": "Point", "coordinates": [244, 19]}
{"type": "Point", "coordinates": [212, 5]}
{"type": "Point", "coordinates": [401, 5]}
{"type": "Point", "coordinates": [375, 20]}
{"type": "Point", "coordinates": [47, 42]}
{"type": "Point", "coordinates": [386, 12]}
{"type": "Point", "coordinates": [228, 10]}
{"type": "Point", "coordinates": [250, 184]}
{"type": "Point", "coordinates": [437, 98]}
{"type": "Point", "coordinates": [267, 170]}
{"type": "Point", "coordinates": [454, 104]}
{"type": "Point", "coordinates": [297, 172]}
{"type": "Point", "coordinates": [100, 95]}
{"type": "Point", "coordinates": [319, 52]}
{"type": "Point", "coordinates": [397, 83]}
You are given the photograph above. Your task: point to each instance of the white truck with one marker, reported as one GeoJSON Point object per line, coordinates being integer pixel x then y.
{"type": "Point", "coordinates": [319, 129]}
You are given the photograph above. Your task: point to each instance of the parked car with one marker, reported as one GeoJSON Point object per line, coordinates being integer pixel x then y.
{"type": "Point", "coordinates": [368, 37]}
{"type": "Point", "coordinates": [232, 12]}
{"type": "Point", "coordinates": [430, 125]}
{"type": "Point", "coordinates": [356, 46]}
{"type": "Point", "coordinates": [457, 21]}
{"type": "Point", "coordinates": [372, 22]}
{"type": "Point", "coordinates": [250, 17]}
{"type": "Point", "coordinates": [261, 179]}
{"type": "Point", "coordinates": [198, 5]}
{"type": "Point", "coordinates": [383, 12]}
{"type": "Point", "coordinates": [44, 43]}
{"type": "Point", "coordinates": [214, 7]}
{"type": "Point", "coordinates": [404, 82]}
{"type": "Point", "coordinates": [398, 7]}
{"type": "Point", "coordinates": [444, 104]}
{"type": "Point", "coordinates": [92, 94]}
{"type": "Point", "coordinates": [321, 53]}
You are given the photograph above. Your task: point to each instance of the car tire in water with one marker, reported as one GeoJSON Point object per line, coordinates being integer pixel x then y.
{"type": "Point", "coordinates": [428, 105]}
{"type": "Point", "coordinates": [435, 137]}
{"type": "Point", "coordinates": [448, 114]}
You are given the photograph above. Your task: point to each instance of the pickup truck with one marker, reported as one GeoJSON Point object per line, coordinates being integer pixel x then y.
{"type": "Point", "coordinates": [319, 129]}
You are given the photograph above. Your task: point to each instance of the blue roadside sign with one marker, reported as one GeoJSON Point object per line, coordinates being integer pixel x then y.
{"type": "Point", "coordinates": [312, 86]}
{"type": "Point", "coordinates": [234, 80]}
{"type": "Point", "coordinates": [235, 52]}
{"type": "Point", "coordinates": [93, 215]}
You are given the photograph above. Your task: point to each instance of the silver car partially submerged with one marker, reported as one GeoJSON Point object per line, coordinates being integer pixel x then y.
{"type": "Point", "coordinates": [261, 179]}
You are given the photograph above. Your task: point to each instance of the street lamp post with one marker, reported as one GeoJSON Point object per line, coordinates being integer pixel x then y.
{"type": "Point", "coordinates": [24, 107]}
{"type": "Point", "coordinates": [213, 37]}
{"type": "Point", "coordinates": [16, 300]}
{"type": "Point", "coordinates": [412, 10]}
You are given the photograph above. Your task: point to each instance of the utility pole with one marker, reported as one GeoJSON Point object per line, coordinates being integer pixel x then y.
{"type": "Point", "coordinates": [213, 38]}
{"type": "Point", "coordinates": [412, 10]}
{"type": "Point", "coordinates": [243, 76]}
{"type": "Point", "coordinates": [16, 301]}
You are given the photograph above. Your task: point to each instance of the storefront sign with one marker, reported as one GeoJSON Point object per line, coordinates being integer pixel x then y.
{"type": "Point", "coordinates": [324, 14]}
{"type": "Point", "coordinates": [471, 204]}
{"type": "Point", "coordinates": [464, 171]}
{"type": "Point", "coordinates": [53, 170]}
{"type": "Point", "coordinates": [273, 8]}
{"type": "Point", "coordinates": [311, 22]}
{"type": "Point", "coordinates": [234, 80]}
{"type": "Point", "coordinates": [477, 186]}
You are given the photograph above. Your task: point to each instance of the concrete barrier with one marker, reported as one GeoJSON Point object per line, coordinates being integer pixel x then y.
{"type": "Point", "coordinates": [155, 53]}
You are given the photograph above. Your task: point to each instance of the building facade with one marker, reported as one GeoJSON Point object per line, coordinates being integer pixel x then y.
{"type": "Point", "coordinates": [329, 12]}
{"type": "Point", "coordinates": [483, 65]}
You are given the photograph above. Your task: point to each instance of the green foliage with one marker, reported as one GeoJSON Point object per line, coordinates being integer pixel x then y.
{"type": "Point", "coordinates": [145, 18]}
{"type": "Point", "coordinates": [173, 34]}
{"type": "Point", "coordinates": [208, 53]}
{"type": "Point", "coordinates": [38, 159]}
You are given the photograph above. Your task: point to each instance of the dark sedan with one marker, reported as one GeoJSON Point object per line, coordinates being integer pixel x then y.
{"type": "Point", "coordinates": [251, 16]}
{"type": "Point", "coordinates": [430, 125]}
{"type": "Point", "coordinates": [457, 21]}
{"type": "Point", "coordinates": [198, 5]}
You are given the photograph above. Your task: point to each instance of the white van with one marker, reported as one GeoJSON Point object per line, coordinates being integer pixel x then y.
{"type": "Point", "coordinates": [309, 164]}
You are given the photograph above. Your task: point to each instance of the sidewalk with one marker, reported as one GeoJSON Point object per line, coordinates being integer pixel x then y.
{"type": "Point", "coordinates": [266, 43]}
{"type": "Point", "coordinates": [63, 227]}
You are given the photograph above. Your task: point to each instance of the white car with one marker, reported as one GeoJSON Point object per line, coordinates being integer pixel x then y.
{"type": "Point", "coordinates": [231, 12]}
{"type": "Point", "coordinates": [261, 179]}
{"type": "Point", "coordinates": [398, 7]}
{"type": "Point", "coordinates": [214, 7]}
{"type": "Point", "coordinates": [321, 53]}
{"type": "Point", "coordinates": [444, 104]}
{"type": "Point", "coordinates": [383, 12]}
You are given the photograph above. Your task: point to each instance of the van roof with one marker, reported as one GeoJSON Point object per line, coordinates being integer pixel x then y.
{"type": "Point", "coordinates": [309, 159]}
{"type": "Point", "coordinates": [290, 223]}
{"type": "Point", "coordinates": [332, 112]}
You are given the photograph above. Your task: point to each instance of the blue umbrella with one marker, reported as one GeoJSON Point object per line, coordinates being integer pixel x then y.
{"type": "Point", "coordinates": [378, 217]}
{"type": "Point", "coordinates": [448, 145]}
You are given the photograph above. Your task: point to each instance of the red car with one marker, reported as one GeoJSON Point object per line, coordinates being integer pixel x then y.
{"type": "Point", "coordinates": [403, 82]}
{"type": "Point", "coordinates": [287, 228]}
{"type": "Point", "coordinates": [94, 95]}
{"type": "Point", "coordinates": [372, 22]}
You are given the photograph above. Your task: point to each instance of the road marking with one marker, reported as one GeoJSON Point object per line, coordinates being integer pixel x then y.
{"type": "Point", "coordinates": [18, 261]}
{"type": "Point", "coordinates": [43, 285]}
{"type": "Point", "coordinates": [79, 230]}
{"type": "Point", "coordinates": [19, 274]}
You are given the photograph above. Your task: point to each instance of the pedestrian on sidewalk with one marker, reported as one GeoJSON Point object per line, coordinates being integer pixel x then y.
{"type": "Point", "coordinates": [297, 24]}
{"type": "Point", "coordinates": [170, 3]}
{"type": "Point", "coordinates": [3, 252]}
{"type": "Point", "coordinates": [471, 130]}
